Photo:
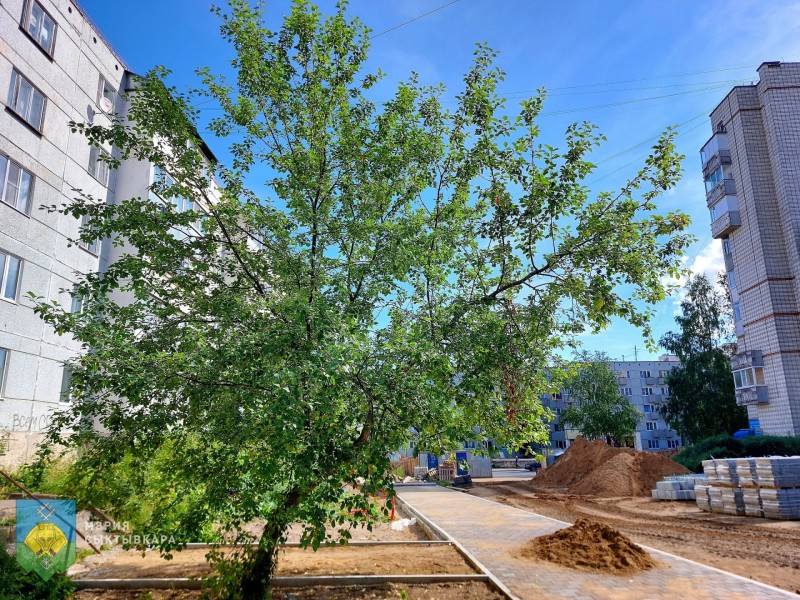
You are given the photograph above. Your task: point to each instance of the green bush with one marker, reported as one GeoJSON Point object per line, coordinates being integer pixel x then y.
{"type": "Point", "coordinates": [16, 584]}
{"type": "Point", "coordinates": [724, 446]}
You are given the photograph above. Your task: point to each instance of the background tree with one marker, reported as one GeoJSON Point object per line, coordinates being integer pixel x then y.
{"type": "Point", "coordinates": [702, 400]}
{"type": "Point", "coordinates": [598, 410]}
{"type": "Point", "coordinates": [408, 265]}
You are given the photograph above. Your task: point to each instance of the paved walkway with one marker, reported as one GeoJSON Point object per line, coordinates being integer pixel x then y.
{"type": "Point", "coordinates": [493, 533]}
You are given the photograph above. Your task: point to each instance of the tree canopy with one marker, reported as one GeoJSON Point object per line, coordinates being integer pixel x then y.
{"type": "Point", "coordinates": [597, 409]}
{"type": "Point", "coordinates": [702, 400]}
{"type": "Point", "coordinates": [409, 265]}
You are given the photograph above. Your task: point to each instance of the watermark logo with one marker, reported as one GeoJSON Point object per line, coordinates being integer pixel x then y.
{"type": "Point", "coordinates": [46, 535]}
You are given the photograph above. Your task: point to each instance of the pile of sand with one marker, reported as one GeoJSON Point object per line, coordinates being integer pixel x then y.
{"type": "Point", "coordinates": [597, 469]}
{"type": "Point", "coordinates": [590, 546]}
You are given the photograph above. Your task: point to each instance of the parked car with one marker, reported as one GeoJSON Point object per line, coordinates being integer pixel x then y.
{"type": "Point", "coordinates": [533, 466]}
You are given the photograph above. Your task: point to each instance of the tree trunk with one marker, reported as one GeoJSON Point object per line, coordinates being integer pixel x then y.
{"type": "Point", "coordinates": [257, 573]}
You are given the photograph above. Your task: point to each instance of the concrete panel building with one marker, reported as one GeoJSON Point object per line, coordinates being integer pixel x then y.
{"type": "Point", "coordinates": [55, 67]}
{"type": "Point", "coordinates": [642, 382]}
{"type": "Point", "coordinates": [751, 166]}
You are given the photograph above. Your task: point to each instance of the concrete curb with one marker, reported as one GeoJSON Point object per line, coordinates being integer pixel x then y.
{"type": "Point", "coordinates": [202, 545]}
{"type": "Point", "coordinates": [494, 582]}
{"type": "Point", "coordinates": [299, 581]}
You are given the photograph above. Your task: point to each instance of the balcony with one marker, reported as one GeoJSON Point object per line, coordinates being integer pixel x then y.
{"type": "Point", "coordinates": [714, 153]}
{"type": "Point", "coordinates": [650, 380]}
{"type": "Point", "coordinates": [725, 187]}
{"type": "Point", "coordinates": [751, 358]}
{"type": "Point", "coordinates": [752, 395]}
{"type": "Point", "coordinates": [728, 221]}
{"type": "Point", "coordinates": [728, 261]}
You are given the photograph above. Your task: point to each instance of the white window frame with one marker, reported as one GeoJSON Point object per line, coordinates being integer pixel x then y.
{"type": "Point", "coordinates": [99, 169]}
{"type": "Point", "coordinates": [5, 183]}
{"type": "Point", "coordinates": [4, 355]}
{"type": "Point", "coordinates": [24, 113]}
{"type": "Point", "coordinates": [4, 276]}
{"type": "Point", "coordinates": [647, 391]}
{"type": "Point", "coordinates": [37, 35]}
{"type": "Point", "coordinates": [626, 391]}
{"type": "Point", "coordinates": [748, 377]}
{"type": "Point", "coordinates": [654, 444]}
{"type": "Point", "coordinates": [65, 397]}
{"type": "Point", "coordinates": [648, 408]}
{"type": "Point", "coordinates": [93, 247]}
{"type": "Point", "coordinates": [645, 374]}
{"type": "Point", "coordinates": [672, 444]}
{"type": "Point", "coordinates": [651, 426]}
{"type": "Point", "coordinates": [104, 84]}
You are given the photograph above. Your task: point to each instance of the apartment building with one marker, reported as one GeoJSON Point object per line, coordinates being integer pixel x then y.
{"type": "Point", "coordinates": [751, 168]}
{"type": "Point", "coordinates": [643, 383]}
{"type": "Point", "coordinates": [56, 67]}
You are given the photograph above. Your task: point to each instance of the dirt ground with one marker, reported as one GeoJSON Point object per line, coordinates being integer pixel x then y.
{"type": "Point", "coordinates": [416, 559]}
{"type": "Point", "coordinates": [441, 591]}
{"type": "Point", "coordinates": [759, 549]}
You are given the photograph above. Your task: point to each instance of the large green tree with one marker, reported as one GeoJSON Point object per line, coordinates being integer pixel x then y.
{"type": "Point", "coordinates": [702, 401]}
{"type": "Point", "coordinates": [597, 409]}
{"type": "Point", "coordinates": [406, 265]}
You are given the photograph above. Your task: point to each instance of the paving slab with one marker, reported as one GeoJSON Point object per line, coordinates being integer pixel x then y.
{"type": "Point", "coordinates": [494, 533]}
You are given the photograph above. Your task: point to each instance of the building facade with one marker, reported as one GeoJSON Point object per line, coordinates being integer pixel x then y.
{"type": "Point", "coordinates": [641, 382]}
{"type": "Point", "coordinates": [751, 168]}
{"type": "Point", "coordinates": [56, 67]}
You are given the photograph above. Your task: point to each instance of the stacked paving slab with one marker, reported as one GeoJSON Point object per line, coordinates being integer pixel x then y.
{"type": "Point", "coordinates": [678, 487]}
{"type": "Point", "coordinates": [753, 487]}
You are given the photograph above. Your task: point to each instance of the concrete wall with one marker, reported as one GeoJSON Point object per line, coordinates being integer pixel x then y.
{"type": "Point", "coordinates": [58, 159]}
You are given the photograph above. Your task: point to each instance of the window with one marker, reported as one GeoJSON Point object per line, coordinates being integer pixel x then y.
{"type": "Point", "coordinates": [727, 246]}
{"type": "Point", "coordinates": [644, 374]}
{"type": "Point", "coordinates": [626, 391]}
{"type": "Point", "coordinates": [94, 245]}
{"type": "Point", "coordinates": [561, 444]}
{"type": "Point", "coordinates": [713, 212]}
{"type": "Point", "coordinates": [665, 391]}
{"type": "Point", "coordinates": [40, 25]}
{"type": "Point", "coordinates": [106, 95]}
{"type": "Point", "coordinates": [651, 426]}
{"type": "Point", "coordinates": [748, 377]}
{"type": "Point", "coordinates": [731, 279]}
{"type": "Point", "coordinates": [673, 443]}
{"type": "Point", "coordinates": [622, 374]}
{"type": "Point", "coordinates": [66, 379]}
{"type": "Point", "coordinates": [721, 173]}
{"type": "Point", "coordinates": [10, 267]}
{"type": "Point", "coordinates": [628, 374]}
{"type": "Point", "coordinates": [649, 408]}
{"type": "Point", "coordinates": [16, 185]}
{"type": "Point", "coordinates": [77, 304]}
{"type": "Point", "coordinates": [653, 444]}
{"type": "Point", "coordinates": [26, 100]}
{"type": "Point", "coordinates": [3, 365]}
{"type": "Point", "coordinates": [737, 312]}
{"type": "Point", "coordinates": [663, 373]}
{"type": "Point", "coordinates": [647, 391]}
{"type": "Point", "coordinates": [98, 167]}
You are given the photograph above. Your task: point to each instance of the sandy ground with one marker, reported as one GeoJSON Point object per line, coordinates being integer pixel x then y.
{"type": "Point", "coordinates": [760, 549]}
{"type": "Point", "coordinates": [414, 559]}
{"type": "Point", "coordinates": [338, 560]}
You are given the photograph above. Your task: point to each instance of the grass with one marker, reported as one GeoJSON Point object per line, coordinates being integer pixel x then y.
{"type": "Point", "coordinates": [81, 554]}
{"type": "Point", "coordinates": [8, 521]}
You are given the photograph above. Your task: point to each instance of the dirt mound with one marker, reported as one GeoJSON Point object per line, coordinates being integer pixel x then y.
{"type": "Point", "coordinates": [590, 546]}
{"type": "Point", "coordinates": [595, 468]}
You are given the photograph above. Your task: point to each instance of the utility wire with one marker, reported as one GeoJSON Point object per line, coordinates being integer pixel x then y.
{"type": "Point", "coordinates": [372, 37]}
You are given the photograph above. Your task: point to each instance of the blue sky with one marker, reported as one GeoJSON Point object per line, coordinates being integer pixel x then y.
{"type": "Point", "coordinates": [632, 68]}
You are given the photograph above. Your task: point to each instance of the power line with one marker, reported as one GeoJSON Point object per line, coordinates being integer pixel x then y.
{"type": "Point", "coordinates": [414, 19]}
